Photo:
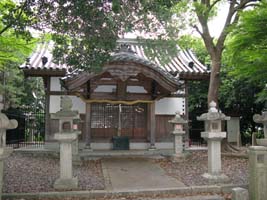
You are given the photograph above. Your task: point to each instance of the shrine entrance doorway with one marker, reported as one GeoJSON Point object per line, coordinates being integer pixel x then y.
{"type": "Point", "coordinates": [109, 120]}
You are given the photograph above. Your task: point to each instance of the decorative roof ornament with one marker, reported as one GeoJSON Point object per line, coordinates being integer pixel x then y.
{"type": "Point", "coordinates": [124, 48]}
{"type": "Point", "coordinates": [212, 107]}
{"type": "Point", "coordinates": [28, 60]}
{"type": "Point", "coordinates": [178, 119]}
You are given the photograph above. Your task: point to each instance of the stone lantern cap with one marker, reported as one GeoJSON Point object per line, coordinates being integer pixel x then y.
{"type": "Point", "coordinates": [178, 119]}
{"type": "Point", "coordinates": [260, 118]}
{"type": "Point", "coordinates": [5, 123]}
{"type": "Point", "coordinates": [213, 114]}
{"type": "Point", "coordinates": [65, 111]}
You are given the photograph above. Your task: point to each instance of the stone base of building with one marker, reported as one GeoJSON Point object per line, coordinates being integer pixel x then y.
{"type": "Point", "coordinates": [66, 184]}
{"type": "Point", "coordinates": [262, 142]}
{"type": "Point", "coordinates": [216, 178]}
{"type": "Point", "coordinates": [53, 145]}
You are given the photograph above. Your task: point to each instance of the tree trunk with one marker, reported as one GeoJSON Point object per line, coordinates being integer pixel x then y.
{"type": "Point", "coordinates": [214, 80]}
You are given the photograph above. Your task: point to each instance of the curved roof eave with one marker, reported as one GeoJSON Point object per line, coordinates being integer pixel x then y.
{"type": "Point", "coordinates": [119, 63]}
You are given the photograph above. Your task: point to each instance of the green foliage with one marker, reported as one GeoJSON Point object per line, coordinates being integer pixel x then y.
{"type": "Point", "coordinates": [16, 44]}
{"type": "Point", "coordinates": [17, 17]}
{"type": "Point", "coordinates": [18, 92]}
{"type": "Point", "coordinates": [85, 32]}
{"type": "Point", "coordinates": [247, 48]}
{"type": "Point", "coordinates": [14, 38]}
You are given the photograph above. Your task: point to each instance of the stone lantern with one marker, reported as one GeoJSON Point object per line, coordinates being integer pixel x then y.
{"type": "Point", "coordinates": [68, 140]}
{"type": "Point", "coordinates": [178, 123]}
{"type": "Point", "coordinates": [213, 135]}
{"type": "Point", "coordinates": [66, 118]}
{"type": "Point", "coordinates": [5, 124]}
{"type": "Point", "coordinates": [262, 119]}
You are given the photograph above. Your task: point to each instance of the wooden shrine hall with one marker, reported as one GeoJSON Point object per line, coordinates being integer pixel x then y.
{"type": "Point", "coordinates": [132, 97]}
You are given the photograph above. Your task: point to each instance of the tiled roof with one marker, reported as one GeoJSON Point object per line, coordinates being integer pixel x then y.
{"type": "Point", "coordinates": [41, 59]}
{"type": "Point", "coordinates": [184, 62]}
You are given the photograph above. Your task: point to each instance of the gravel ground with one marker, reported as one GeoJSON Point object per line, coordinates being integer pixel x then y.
{"type": "Point", "coordinates": [25, 173]}
{"type": "Point", "coordinates": [190, 170]}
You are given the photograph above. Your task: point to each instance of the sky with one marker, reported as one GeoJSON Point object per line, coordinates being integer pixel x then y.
{"type": "Point", "coordinates": [215, 25]}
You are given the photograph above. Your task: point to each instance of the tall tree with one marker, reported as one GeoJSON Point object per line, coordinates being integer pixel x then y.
{"type": "Point", "coordinates": [198, 14]}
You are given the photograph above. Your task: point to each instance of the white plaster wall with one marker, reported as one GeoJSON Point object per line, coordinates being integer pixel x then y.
{"type": "Point", "coordinates": [78, 104]}
{"type": "Point", "coordinates": [136, 89]}
{"type": "Point", "coordinates": [55, 84]}
{"type": "Point", "coordinates": [105, 88]}
{"type": "Point", "coordinates": [168, 106]}
{"type": "Point", "coordinates": [54, 104]}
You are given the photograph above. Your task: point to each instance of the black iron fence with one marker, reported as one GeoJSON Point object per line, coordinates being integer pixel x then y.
{"type": "Point", "coordinates": [30, 130]}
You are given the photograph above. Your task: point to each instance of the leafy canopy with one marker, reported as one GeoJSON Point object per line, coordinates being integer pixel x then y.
{"type": "Point", "coordinates": [248, 47]}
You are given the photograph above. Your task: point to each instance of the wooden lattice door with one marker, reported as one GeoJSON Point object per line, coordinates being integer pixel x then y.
{"type": "Point", "coordinates": [105, 120]}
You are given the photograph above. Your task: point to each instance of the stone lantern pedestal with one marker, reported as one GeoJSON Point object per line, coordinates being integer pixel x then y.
{"type": "Point", "coordinates": [5, 152]}
{"type": "Point", "coordinates": [178, 132]}
{"type": "Point", "coordinates": [214, 155]}
{"type": "Point", "coordinates": [213, 135]}
{"type": "Point", "coordinates": [262, 119]}
{"type": "Point", "coordinates": [66, 180]}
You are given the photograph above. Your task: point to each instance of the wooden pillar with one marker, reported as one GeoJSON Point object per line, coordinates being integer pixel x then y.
{"type": "Point", "coordinates": [148, 122]}
{"type": "Point", "coordinates": [88, 126]}
{"type": "Point", "coordinates": [186, 112]}
{"type": "Point", "coordinates": [47, 85]}
{"type": "Point", "coordinates": [152, 126]}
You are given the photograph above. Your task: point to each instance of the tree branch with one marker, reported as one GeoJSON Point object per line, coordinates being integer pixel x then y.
{"type": "Point", "coordinates": [222, 37]}
{"type": "Point", "coordinates": [233, 11]}
{"type": "Point", "coordinates": [21, 8]}
{"type": "Point", "coordinates": [208, 40]}
{"type": "Point", "coordinates": [213, 4]}
{"type": "Point", "coordinates": [198, 30]}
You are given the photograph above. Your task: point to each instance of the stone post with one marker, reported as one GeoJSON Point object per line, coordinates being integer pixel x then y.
{"type": "Point", "coordinates": [66, 180]}
{"type": "Point", "coordinates": [178, 123]}
{"type": "Point", "coordinates": [213, 135]}
{"type": "Point", "coordinates": [239, 194]}
{"type": "Point", "coordinates": [5, 124]}
{"type": "Point", "coordinates": [257, 172]}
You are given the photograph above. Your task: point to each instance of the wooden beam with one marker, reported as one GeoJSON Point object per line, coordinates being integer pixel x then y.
{"type": "Point", "coordinates": [44, 72]}
{"type": "Point", "coordinates": [129, 97]}
{"type": "Point", "coordinates": [59, 93]}
{"type": "Point", "coordinates": [194, 76]}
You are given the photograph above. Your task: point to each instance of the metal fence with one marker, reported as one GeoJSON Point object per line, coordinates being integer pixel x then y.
{"type": "Point", "coordinates": [30, 130]}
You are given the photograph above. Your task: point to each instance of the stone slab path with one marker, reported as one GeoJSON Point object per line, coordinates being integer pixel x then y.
{"type": "Point", "coordinates": [212, 197]}
{"type": "Point", "coordinates": [135, 173]}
